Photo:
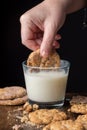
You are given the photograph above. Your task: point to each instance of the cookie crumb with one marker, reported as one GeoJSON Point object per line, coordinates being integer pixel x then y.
{"type": "Point", "coordinates": [16, 127]}
{"type": "Point", "coordinates": [35, 106]}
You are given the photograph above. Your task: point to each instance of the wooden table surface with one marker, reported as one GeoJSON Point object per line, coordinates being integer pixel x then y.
{"type": "Point", "coordinates": [9, 115]}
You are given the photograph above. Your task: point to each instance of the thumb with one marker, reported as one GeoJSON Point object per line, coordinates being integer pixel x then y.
{"type": "Point", "coordinates": [48, 38]}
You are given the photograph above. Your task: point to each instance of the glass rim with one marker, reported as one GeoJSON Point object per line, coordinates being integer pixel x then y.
{"type": "Point", "coordinates": [66, 64]}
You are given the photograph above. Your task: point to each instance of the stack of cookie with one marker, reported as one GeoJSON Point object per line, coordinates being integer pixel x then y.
{"type": "Point", "coordinates": [78, 105]}
{"type": "Point", "coordinates": [13, 95]}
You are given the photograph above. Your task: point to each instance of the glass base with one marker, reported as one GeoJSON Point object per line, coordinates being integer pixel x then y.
{"type": "Point", "coordinates": [56, 104]}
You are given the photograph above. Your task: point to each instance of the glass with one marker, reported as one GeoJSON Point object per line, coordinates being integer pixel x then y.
{"type": "Point", "coordinates": [46, 86]}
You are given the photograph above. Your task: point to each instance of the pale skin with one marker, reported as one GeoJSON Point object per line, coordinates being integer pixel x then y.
{"type": "Point", "coordinates": [39, 25]}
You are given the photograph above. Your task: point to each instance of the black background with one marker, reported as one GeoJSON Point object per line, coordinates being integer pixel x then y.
{"type": "Point", "coordinates": [73, 47]}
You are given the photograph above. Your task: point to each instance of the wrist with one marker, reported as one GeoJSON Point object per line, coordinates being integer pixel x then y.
{"type": "Point", "coordinates": [64, 4]}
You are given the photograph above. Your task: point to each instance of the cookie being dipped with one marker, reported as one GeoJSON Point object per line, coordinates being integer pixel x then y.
{"type": "Point", "coordinates": [36, 60]}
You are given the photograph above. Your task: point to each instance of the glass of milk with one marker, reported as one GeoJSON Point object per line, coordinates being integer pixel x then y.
{"type": "Point", "coordinates": [46, 86]}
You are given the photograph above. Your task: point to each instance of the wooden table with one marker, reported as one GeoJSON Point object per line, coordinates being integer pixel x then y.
{"type": "Point", "coordinates": [9, 115]}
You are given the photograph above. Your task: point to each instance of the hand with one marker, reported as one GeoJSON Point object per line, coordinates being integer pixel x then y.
{"type": "Point", "coordinates": [39, 26]}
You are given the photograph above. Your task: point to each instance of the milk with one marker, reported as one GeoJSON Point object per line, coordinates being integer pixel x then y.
{"type": "Point", "coordinates": [46, 86]}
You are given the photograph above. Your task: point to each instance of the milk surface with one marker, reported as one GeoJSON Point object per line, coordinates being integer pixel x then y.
{"type": "Point", "coordinates": [46, 86]}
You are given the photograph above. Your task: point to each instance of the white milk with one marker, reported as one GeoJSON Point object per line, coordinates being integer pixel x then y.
{"type": "Point", "coordinates": [46, 86]}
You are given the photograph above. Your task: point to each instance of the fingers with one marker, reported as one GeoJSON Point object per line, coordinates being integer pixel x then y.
{"type": "Point", "coordinates": [48, 37]}
{"type": "Point", "coordinates": [33, 38]}
{"type": "Point", "coordinates": [56, 45]}
{"type": "Point", "coordinates": [57, 37]}
{"type": "Point", "coordinates": [31, 44]}
{"type": "Point", "coordinates": [49, 40]}
{"type": "Point", "coordinates": [28, 36]}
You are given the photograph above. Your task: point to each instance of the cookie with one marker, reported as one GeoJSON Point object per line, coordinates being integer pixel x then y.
{"type": "Point", "coordinates": [78, 100]}
{"type": "Point", "coordinates": [45, 116]}
{"type": "Point", "coordinates": [30, 107]}
{"type": "Point", "coordinates": [36, 60]}
{"type": "Point", "coordinates": [64, 125]}
{"type": "Point", "coordinates": [79, 108]}
{"type": "Point", "coordinates": [12, 92]}
{"type": "Point", "coordinates": [82, 119]}
{"type": "Point", "coordinates": [16, 101]}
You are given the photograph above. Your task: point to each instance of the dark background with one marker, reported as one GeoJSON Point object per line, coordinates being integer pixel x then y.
{"type": "Point", "coordinates": [73, 47]}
